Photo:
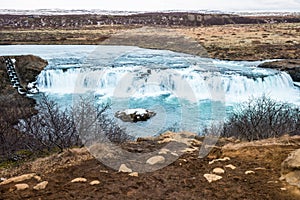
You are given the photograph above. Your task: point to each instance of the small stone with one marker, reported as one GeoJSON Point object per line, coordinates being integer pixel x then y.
{"type": "Point", "coordinates": [135, 174]}
{"type": "Point", "coordinates": [231, 166]}
{"type": "Point", "coordinates": [125, 169]}
{"type": "Point", "coordinates": [22, 186]}
{"type": "Point", "coordinates": [79, 180]}
{"type": "Point", "coordinates": [188, 150]}
{"type": "Point", "coordinates": [272, 182]}
{"type": "Point", "coordinates": [95, 182]}
{"type": "Point", "coordinates": [174, 154]}
{"type": "Point", "coordinates": [219, 171]}
{"type": "Point", "coordinates": [38, 178]}
{"type": "Point", "coordinates": [249, 172]}
{"type": "Point", "coordinates": [220, 159]}
{"type": "Point", "coordinates": [41, 186]}
{"type": "Point", "coordinates": [212, 177]}
{"type": "Point", "coordinates": [17, 179]}
{"type": "Point", "coordinates": [283, 189]}
{"type": "Point", "coordinates": [260, 168]}
{"type": "Point", "coordinates": [155, 160]}
{"type": "Point", "coordinates": [164, 151]}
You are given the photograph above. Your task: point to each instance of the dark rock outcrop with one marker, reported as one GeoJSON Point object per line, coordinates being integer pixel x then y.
{"type": "Point", "coordinates": [292, 67]}
{"type": "Point", "coordinates": [14, 106]}
{"type": "Point", "coordinates": [134, 115]}
{"type": "Point", "coordinates": [27, 68]}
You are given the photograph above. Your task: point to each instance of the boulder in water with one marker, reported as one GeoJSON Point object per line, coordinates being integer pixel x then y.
{"type": "Point", "coordinates": [134, 115]}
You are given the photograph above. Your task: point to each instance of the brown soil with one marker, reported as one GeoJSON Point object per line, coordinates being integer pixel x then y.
{"type": "Point", "coordinates": [182, 179]}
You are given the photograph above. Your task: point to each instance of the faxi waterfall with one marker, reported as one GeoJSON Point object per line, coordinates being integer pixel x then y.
{"type": "Point", "coordinates": [186, 91]}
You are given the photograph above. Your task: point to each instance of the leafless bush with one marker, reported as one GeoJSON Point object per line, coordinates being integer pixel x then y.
{"type": "Point", "coordinates": [94, 124]}
{"type": "Point", "coordinates": [51, 128]}
{"type": "Point", "coordinates": [54, 128]}
{"type": "Point", "coordinates": [261, 118]}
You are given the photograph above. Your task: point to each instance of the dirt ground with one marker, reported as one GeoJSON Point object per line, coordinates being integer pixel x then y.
{"type": "Point", "coordinates": [249, 42]}
{"type": "Point", "coordinates": [183, 179]}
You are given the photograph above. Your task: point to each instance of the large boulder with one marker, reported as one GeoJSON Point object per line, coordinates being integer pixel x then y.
{"type": "Point", "coordinates": [134, 115]}
{"type": "Point", "coordinates": [292, 67]}
{"type": "Point", "coordinates": [290, 169]}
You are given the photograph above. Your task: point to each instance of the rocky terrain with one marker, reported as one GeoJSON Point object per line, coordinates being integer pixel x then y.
{"type": "Point", "coordinates": [233, 170]}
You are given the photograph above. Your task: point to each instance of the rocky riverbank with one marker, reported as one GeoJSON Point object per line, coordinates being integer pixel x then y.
{"type": "Point", "coordinates": [292, 67]}
{"type": "Point", "coordinates": [27, 68]}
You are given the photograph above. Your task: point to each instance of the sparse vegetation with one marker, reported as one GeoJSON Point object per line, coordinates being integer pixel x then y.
{"type": "Point", "coordinates": [260, 118]}
{"type": "Point", "coordinates": [54, 129]}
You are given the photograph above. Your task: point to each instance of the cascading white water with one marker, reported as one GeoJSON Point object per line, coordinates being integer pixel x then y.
{"type": "Point", "coordinates": [144, 82]}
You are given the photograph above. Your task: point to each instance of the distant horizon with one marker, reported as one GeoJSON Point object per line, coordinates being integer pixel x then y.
{"type": "Point", "coordinates": [158, 5]}
{"type": "Point", "coordinates": [150, 11]}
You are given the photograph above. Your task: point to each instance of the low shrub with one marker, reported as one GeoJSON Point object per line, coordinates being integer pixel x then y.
{"type": "Point", "coordinates": [261, 118]}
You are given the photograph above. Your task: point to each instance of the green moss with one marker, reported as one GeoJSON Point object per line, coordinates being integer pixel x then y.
{"type": "Point", "coordinates": [24, 153]}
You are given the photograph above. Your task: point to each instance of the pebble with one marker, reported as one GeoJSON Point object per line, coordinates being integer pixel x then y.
{"type": "Point", "coordinates": [231, 166]}
{"type": "Point", "coordinates": [260, 168]}
{"type": "Point", "coordinates": [22, 186]}
{"type": "Point", "coordinates": [220, 159]}
{"type": "Point", "coordinates": [219, 171]}
{"type": "Point", "coordinates": [17, 179]}
{"type": "Point", "coordinates": [249, 172]}
{"type": "Point", "coordinates": [188, 150]}
{"type": "Point", "coordinates": [135, 174]}
{"type": "Point", "coordinates": [283, 189]}
{"type": "Point", "coordinates": [95, 182]}
{"type": "Point", "coordinates": [174, 154]}
{"type": "Point", "coordinates": [41, 185]}
{"type": "Point", "coordinates": [79, 180]}
{"type": "Point", "coordinates": [155, 160]}
{"type": "Point", "coordinates": [212, 177]}
{"type": "Point", "coordinates": [125, 169]}
{"type": "Point", "coordinates": [38, 178]}
{"type": "Point", "coordinates": [164, 151]}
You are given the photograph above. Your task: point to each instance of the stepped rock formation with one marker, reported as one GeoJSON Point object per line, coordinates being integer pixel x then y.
{"type": "Point", "coordinates": [292, 67]}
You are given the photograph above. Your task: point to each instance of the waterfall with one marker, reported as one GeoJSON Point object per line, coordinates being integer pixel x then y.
{"type": "Point", "coordinates": [187, 83]}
